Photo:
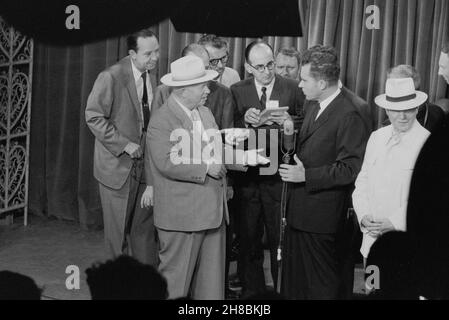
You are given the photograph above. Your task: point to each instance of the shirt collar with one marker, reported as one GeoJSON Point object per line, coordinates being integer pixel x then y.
{"type": "Point", "coordinates": [328, 100]}
{"type": "Point", "coordinates": [269, 86]}
{"type": "Point", "coordinates": [184, 108]}
{"type": "Point", "coordinates": [137, 74]}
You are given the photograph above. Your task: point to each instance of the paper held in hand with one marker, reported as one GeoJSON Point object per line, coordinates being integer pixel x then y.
{"type": "Point", "coordinates": [270, 111]}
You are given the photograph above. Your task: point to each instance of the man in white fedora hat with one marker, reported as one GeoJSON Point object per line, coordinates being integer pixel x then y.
{"type": "Point", "coordinates": [190, 198]}
{"type": "Point", "coordinates": [382, 186]}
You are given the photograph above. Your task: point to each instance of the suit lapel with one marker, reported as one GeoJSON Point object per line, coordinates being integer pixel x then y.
{"type": "Point", "coordinates": [131, 87]}
{"type": "Point", "coordinates": [180, 114]}
{"type": "Point", "coordinates": [253, 96]}
{"type": "Point", "coordinates": [310, 107]}
{"type": "Point", "coordinates": [312, 125]}
{"type": "Point", "coordinates": [276, 93]}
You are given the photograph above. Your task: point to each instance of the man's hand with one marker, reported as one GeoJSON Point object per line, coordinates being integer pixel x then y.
{"type": "Point", "coordinates": [229, 193]}
{"type": "Point", "coordinates": [147, 199]}
{"type": "Point", "coordinates": [133, 150]}
{"type": "Point", "coordinates": [216, 171]}
{"type": "Point", "coordinates": [370, 224]}
{"type": "Point", "coordinates": [253, 158]}
{"type": "Point", "coordinates": [280, 118]}
{"type": "Point", "coordinates": [293, 173]}
{"type": "Point", "coordinates": [385, 225]}
{"type": "Point", "coordinates": [252, 116]}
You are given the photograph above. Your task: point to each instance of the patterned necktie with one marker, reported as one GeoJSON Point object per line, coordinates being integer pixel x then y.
{"type": "Point", "coordinates": [263, 98]}
{"type": "Point", "coordinates": [145, 106]}
{"type": "Point", "coordinates": [197, 126]}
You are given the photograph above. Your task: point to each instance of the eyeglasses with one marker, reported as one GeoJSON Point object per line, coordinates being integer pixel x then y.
{"type": "Point", "coordinates": [261, 67]}
{"type": "Point", "coordinates": [224, 60]}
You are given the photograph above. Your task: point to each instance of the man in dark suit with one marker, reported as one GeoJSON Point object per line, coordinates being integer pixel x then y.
{"type": "Point", "coordinates": [349, 236]}
{"type": "Point", "coordinates": [117, 113]}
{"type": "Point", "coordinates": [427, 212]}
{"type": "Point", "coordinates": [362, 106]}
{"type": "Point", "coordinates": [261, 194]}
{"type": "Point", "coordinates": [328, 158]}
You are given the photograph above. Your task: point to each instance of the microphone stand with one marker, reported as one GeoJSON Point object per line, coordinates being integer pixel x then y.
{"type": "Point", "coordinates": [286, 157]}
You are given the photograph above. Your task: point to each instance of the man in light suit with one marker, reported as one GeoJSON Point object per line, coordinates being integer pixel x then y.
{"type": "Point", "coordinates": [261, 194]}
{"type": "Point", "coordinates": [117, 113]}
{"type": "Point", "coordinates": [190, 201]}
{"type": "Point", "coordinates": [328, 158]}
{"type": "Point", "coordinates": [219, 100]}
{"type": "Point", "coordinates": [220, 103]}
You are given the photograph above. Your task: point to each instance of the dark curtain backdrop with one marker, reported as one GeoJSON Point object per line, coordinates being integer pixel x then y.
{"type": "Point", "coordinates": [61, 181]}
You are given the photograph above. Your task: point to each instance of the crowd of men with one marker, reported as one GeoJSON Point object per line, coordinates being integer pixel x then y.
{"type": "Point", "coordinates": [169, 208]}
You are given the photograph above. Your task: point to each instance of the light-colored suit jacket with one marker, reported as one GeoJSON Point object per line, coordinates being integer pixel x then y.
{"type": "Point", "coordinates": [114, 116]}
{"type": "Point", "coordinates": [186, 199]}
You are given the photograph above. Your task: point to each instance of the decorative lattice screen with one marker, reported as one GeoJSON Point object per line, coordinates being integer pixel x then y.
{"type": "Point", "coordinates": [16, 64]}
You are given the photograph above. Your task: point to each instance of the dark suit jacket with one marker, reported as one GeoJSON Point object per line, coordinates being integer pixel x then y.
{"type": "Point", "coordinates": [331, 149]}
{"type": "Point", "coordinates": [219, 102]}
{"type": "Point", "coordinates": [362, 106]}
{"type": "Point", "coordinates": [113, 114]}
{"type": "Point", "coordinates": [286, 91]}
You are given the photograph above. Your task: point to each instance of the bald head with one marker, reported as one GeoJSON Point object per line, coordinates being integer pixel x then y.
{"type": "Point", "coordinates": [257, 48]}
{"type": "Point", "coordinates": [197, 50]}
{"type": "Point", "coordinates": [260, 62]}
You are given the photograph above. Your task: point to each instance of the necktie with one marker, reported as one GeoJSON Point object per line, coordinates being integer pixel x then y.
{"type": "Point", "coordinates": [145, 107]}
{"type": "Point", "coordinates": [263, 98]}
{"type": "Point", "coordinates": [197, 126]}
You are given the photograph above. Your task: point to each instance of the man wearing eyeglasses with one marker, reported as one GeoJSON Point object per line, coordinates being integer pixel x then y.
{"type": "Point", "coordinates": [219, 56]}
{"type": "Point", "coordinates": [261, 194]}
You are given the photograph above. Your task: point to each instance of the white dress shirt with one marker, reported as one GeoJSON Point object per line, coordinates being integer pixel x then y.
{"type": "Point", "coordinates": [326, 102]}
{"type": "Point", "coordinates": [383, 184]}
{"type": "Point", "coordinates": [139, 86]}
{"type": "Point", "coordinates": [229, 77]}
{"type": "Point", "coordinates": [269, 88]}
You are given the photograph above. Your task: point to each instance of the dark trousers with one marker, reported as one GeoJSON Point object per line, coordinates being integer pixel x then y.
{"type": "Point", "coordinates": [231, 231]}
{"type": "Point", "coordinates": [349, 240]}
{"type": "Point", "coordinates": [141, 235]}
{"type": "Point", "coordinates": [310, 270]}
{"type": "Point", "coordinates": [260, 200]}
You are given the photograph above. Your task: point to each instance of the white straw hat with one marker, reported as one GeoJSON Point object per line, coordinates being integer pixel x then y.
{"type": "Point", "coordinates": [400, 94]}
{"type": "Point", "coordinates": [187, 71]}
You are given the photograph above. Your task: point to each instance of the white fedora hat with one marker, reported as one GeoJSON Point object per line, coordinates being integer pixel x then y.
{"type": "Point", "coordinates": [400, 94]}
{"type": "Point", "coordinates": [187, 71]}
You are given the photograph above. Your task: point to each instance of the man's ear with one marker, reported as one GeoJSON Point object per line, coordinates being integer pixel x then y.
{"type": "Point", "coordinates": [248, 68]}
{"type": "Point", "coordinates": [322, 84]}
{"type": "Point", "coordinates": [132, 53]}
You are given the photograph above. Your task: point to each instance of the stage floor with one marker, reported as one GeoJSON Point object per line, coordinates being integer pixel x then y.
{"type": "Point", "coordinates": [46, 247]}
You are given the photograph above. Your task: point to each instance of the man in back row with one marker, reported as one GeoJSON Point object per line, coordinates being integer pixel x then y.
{"type": "Point", "coordinates": [219, 56]}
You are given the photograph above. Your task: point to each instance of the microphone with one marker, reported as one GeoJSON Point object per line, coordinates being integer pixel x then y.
{"type": "Point", "coordinates": [288, 139]}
